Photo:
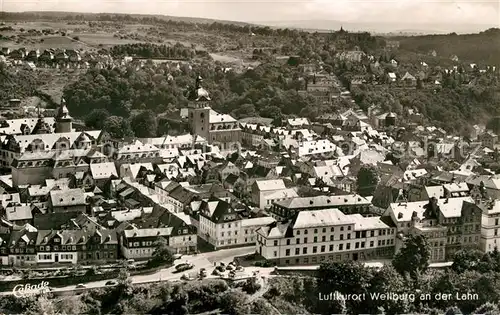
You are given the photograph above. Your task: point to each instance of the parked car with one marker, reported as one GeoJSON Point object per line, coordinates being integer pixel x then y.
{"type": "Point", "coordinates": [220, 268]}
{"type": "Point", "coordinates": [203, 273]}
{"type": "Point", "coordinates": [216, 272]}
{"type": "Point", "coordinates": [177, 256]}
{"type": "Point", "coordinates": [183, 267]}
{"type": "Point", "coordinates": [80, 286]}
{"type": "Point", "coordinates": [230, 267]}
{"type": "Point", "coordinates": [240, 268]}
{"type": "Point", "coordinates": [111, 282]}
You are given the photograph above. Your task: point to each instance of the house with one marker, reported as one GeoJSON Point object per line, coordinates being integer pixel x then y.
{"type": "Point", "coordinates": [264, 190]}
{"type": "Point", "coordinates": [312, 237]}
{"type": "Point", "coordinates": [139, 244]}
{"type": "Point", "coordinates": [409, 80]}
{"type": "Point", "coordinates": [297, 123]}
{"type": "Point", "coordinates": [76, 246]}
{"type": "Point", "coordinates": [21, 246]}
{"type": "Point", "coordinates": [442, 220]}
{"type": "Point", "coordinates": [489, 139]}
{"type": "Point", "coordinates": [67, 200]}
{"type": "Point", "coordinates": [223, 225]}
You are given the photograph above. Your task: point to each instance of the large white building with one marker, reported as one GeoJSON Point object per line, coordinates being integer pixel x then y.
{"type": "Point", "coordinates": [222, 225]}
{"type": "Point", "coordinates": [311, 237]}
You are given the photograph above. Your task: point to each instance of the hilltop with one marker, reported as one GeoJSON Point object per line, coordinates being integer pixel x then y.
{"type": "Point", "coordinates": [480, 48]}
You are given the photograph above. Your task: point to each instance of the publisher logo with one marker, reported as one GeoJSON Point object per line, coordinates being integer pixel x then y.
{"type": "Point", "coordinates": [24, 290]}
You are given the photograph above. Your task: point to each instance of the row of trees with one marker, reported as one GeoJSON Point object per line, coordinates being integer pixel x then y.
{"type": "Point", "coordinates": [148, 50]}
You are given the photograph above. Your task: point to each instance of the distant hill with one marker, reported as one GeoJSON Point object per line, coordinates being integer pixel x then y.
{"type": "Point", "coordinates": [480, 48]}
{"type": "Point", "coordinates": [379, 27]}
{"type": "Point", "coordinates": [60, 14]}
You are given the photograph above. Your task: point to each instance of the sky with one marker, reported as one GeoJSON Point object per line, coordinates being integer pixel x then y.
{"type": "Point", "coordinates": [415, 12]}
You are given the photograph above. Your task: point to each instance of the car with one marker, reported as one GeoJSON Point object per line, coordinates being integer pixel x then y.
{"type": "Point", "coordinates": [185, 277]}
{"type": "Point", "coordinates": [111, 282]}
{"type": "Point", "coordinates": [203, 272]}
{"type": "Point", "coordinates": [177, 256]}
{"type": "Point", "coordinates": [216, 272]}
{"type": "Point", "coordinates": [240, 268]}
{"type": "Point", "coordinates": [220, 268]}
{"type": "Point", "coordinates": [183, 267]}
{"type": "Point", "coordinates": [230, 267]}
{"type": "Point", "coordinates": [80, 286]}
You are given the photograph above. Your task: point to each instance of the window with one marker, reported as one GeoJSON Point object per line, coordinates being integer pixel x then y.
{"type": "Point", "coordinates": [496, 221]}
{"type": "Point", "coordinates": [341, 237]}
{"type": "Point", "coordinates": [298, 232]}
{"type": "Point", "coordinates": [348, 246]}
{"type": "Point", "coordinates": [324, 230]}
{"type": "Point", "coordinates": [315, 239]}
{"type": "Point", "coordinates": [288, 242]}
{"type": "Point", "coordinates": [332, 229]}
{"type": "Point", "coordinates": [331, 237]}
{"type": "Point", "coordinates": [323, 248]}
{"type": "Point", "coordinates": [287, 252]}
{"type": "Point", "coordinates": [323, 238]}
{"type": "Point", "coordinates": [297, 251]}
{"type": "Point", "coordinates": [341, 246]}
{"type": "Point", "coordinates": [362, 244]}
{"type": "Point", "coordinates": [371, 243]}
{"type": "Point", "coordinates": [349, 236]}
{"type": "Point", "coordinates": [304, 250]}
{"type": "Point", "coordinates": [297, 241]}
{"type": "Point", "coordinates": [356, 245]}
{"type": "Point", "coordinates": [331, 248]}
{"type": "Point", "coordinates": [349, 228]}
{"type": "Point", "coordinates": [305, 239]}
{"type": "Point", "coordinates": [275, 254]}
{"type": "Point", "coordinates": [315, 249]}
{"type": "Point", "coordinates": [342, 228]}
{"type": "Point", "coordinates": [275, 243]}
{"type": "Point", "coordinates": [305, 232]}
{"type": "Point", "coordinates": [315, 231]}
{"type": "Point", "coordinates": [372, 233]}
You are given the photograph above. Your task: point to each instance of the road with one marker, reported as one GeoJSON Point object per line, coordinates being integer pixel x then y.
{"type": "Point", "coordinates": [204, 260]}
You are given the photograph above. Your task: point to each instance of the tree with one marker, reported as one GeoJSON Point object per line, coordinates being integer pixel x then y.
{"type": "Point", "coordinates": [96, 118]}
{"type": "Point", "coordinates": [487, 309]}
{"type": "Point", "coordinates": [466, 260]}
{"type": "Point", "coordinates": [162, 254]}
{"type": "Point", "coordinates": [145, 124]}
{"type": "Point", "coordinates": [234, 302]}
{"type": "Point", "coordinates": [387, 279]}
{"type": "Point", "coordinates": [413, 257]}
{"type": "Point", "coordinates": [348, 277]}
{"type": "Point", "coordinates": [118, 127]}
{"type": "Point", "coordinates": [367, 180]}
{"type": "Point", "coordinates": [251, 286]}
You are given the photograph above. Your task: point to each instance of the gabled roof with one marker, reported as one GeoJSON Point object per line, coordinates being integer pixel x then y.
{"type": "Point", "coordinates": [67, 197]}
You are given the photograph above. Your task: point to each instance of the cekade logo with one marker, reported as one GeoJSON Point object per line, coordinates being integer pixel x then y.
{"type": "Point", "coordinates": [23, 290]}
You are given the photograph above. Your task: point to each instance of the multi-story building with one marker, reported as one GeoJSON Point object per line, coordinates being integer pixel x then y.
{"type": "Point", "coordinates": [311, 237]}
{"type": "Point", "coordinates": [76, 246]}
{"type": "Point", "coordinates": [454, 221]}
{"type": "Point", "coordinates": [349, 204]}
{"type": "Point", "coordinates": [490, 225]}
{"type": "Point", "coordinates": [223, 225]}
{"type": "Point", "coordinates": [217, 128]}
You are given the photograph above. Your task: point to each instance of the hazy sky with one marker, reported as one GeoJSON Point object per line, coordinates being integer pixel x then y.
{"type": "Point", "coordinates": [389, 11]}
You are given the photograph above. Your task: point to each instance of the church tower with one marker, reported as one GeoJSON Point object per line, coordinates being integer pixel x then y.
{"type": "Point", "coordinates": [63, 119]}
{"type": "Point", "coordinates": [199, 110]}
